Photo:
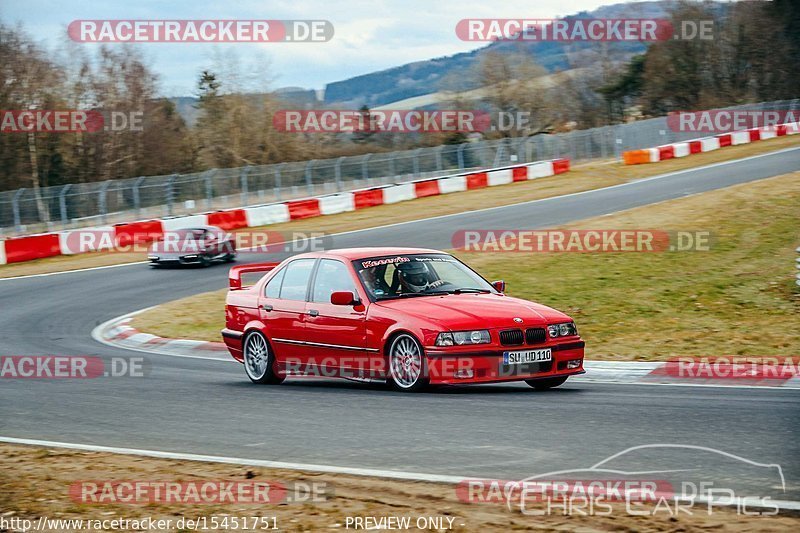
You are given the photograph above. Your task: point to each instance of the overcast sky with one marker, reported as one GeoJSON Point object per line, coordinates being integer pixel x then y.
{"type": "Point", "coordinates": [370, 35]}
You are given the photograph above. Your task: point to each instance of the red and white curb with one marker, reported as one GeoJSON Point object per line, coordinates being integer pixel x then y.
{"type": "Point", "coordinates": [119, 333]}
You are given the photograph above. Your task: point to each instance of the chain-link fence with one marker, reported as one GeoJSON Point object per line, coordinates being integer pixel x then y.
{"type": "Point", "coordinates": [108, 202]}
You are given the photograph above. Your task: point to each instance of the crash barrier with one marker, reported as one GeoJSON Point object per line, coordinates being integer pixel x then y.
{"type": "Point", "coordinates": [84, 240]}
{"type": "Point", "coordinates": [707, 144]}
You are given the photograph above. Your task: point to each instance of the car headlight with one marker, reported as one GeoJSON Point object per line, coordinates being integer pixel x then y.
{"type": "Point", "coordinates": [566, 329]}
{"type": "Point", "coordinates": [460, 338]}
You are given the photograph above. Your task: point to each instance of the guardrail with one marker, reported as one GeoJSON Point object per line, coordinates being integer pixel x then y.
{"type": "Point", "coordinates": [28, 248]}
{"type": "Point", "coordinates": [76, 205]}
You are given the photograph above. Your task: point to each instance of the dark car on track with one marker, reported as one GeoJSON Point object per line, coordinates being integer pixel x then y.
{"type": "Point", "coordinates": [201, 245]}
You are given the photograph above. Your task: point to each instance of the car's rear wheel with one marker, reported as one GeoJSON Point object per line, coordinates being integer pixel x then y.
{"type": "Point", "coordinates": [407, 368]}
{"type": "Point", "coordinates": [259, 361]}
{"type": "Point", "coordinates": [546, 383]}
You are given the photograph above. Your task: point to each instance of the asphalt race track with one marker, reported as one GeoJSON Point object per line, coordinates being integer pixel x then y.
{"type": "Point", "coordinates": [507, 431]}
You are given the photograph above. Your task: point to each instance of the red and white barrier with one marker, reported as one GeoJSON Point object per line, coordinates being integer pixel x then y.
{"type": "Point", "coordinates": [337, 203]}
{"type": "Point", "coordinates": [453, 184]}
{"type": "Point", "coordinates": [71, 242]}
{"type": "Point", "coordinates": [264, 215]}
{"type": "Point", "coordinates": [398, 193]}
{"type": "Point", "coordinates": [707, 144]}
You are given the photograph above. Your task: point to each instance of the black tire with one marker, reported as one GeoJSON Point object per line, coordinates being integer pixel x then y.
{"type": "Point", "coordinates": [254, 343]}
{"type": "Point", "coordinates": [403, 374]}
{"type": "Point", "coordinates": [546, 383]}
{"type": "Point", "coordinates": [230, 258]}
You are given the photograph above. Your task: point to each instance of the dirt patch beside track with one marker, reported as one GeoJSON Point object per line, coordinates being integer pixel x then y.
{"type": "Point", "coordinates": [36, 482]}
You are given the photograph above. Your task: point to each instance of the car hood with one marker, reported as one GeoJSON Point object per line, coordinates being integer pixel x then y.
{"type": "Point", "coordinates": [475, 311]}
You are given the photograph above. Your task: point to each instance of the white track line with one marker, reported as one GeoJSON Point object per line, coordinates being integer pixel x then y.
{"type": "Point", "coordinates": [787, 505]}
{"type": "Point", "coordinates": [485, 209]}
{"type": "Point", "coordinates": [87, 269]}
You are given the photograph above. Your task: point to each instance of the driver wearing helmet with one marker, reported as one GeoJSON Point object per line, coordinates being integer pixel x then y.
{"type": "Point", "coordinates": [415, 277]}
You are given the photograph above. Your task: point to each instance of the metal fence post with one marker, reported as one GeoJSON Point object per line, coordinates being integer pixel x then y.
{"type": "Point", "coordinates": [62, 203]}
{"type": "Point", "coordinates": [102, 201]}
{"type": "Point", "coordinates": [392, 170]}
{"type": "Point", "coordinates": [588, 136]}
{"type": "Point", "coordinates": [243, 184]}
{"type": "Point", "coordinates": [277, 187]}
{"type": "Point", "coordinates": [460, 154]}
{"type": "Point", "coordinates": [137, 200]}
{"type": "Point", "coordinates": [415, 162]}
{"type": "Point", "coordinates": [439, 163]}
{"type": "Point", "coordinates": [521, 145]}
{"type": "Point", "coordinates": [171, 192]}
{"type": "Point", "coordinates": [498, 156]}
{"type": "Point", "coordinates": [365, 167]}
{"type": "Point", "coordinates": [603, 143]}
{"type": "Point", "coordinates": [15, 209]}
{"type": "Point", "coordinates": [309, 182]}
{"type": "Point", "coordinates": [209, 186]}
{"type": "Point", "coordinates": [337, 171]}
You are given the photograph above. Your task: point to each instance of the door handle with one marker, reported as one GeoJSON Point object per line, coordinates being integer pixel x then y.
{"type": "Point", "coordinates": [313, 312]}
{"type": "Point", "coordinates": [266, 307]}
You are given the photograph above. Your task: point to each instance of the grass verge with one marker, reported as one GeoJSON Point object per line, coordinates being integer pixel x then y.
{"type": "Point", "coordinates": [36, 482]}
{"type": "Point", "coordinates": [737, 298]}
{"type": "Point", "coordinates": [583, 177]}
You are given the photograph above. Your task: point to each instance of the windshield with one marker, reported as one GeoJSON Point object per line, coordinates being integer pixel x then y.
{"type": "Point", "coordinates": [400, 276]}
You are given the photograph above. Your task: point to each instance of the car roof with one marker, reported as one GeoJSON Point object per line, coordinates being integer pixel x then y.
{"type": "Point", "coordinates": [377, 251]}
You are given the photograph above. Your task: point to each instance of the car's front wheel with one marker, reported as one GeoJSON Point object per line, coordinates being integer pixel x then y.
{"type": "Point", "coordinates": [259, 361]}
{"type": "Point", "coordinates": [407, 368]}
{"type": "Point", "coordinates": [546, 383]}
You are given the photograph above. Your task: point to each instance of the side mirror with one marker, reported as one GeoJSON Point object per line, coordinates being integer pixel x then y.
{"type": "Point", "coordinates": [343, 298]}
{"type": "Point", "coordinates": [499, 285]}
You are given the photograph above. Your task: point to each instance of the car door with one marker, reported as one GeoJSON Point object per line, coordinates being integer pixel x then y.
{"type": "Point", "coordinates": [282, 308]}
{"type": "Point", "coordinates": [336, 333]}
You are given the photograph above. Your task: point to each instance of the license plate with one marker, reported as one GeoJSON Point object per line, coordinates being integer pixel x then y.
{"type": "Point", "coordinates": [527, 356]}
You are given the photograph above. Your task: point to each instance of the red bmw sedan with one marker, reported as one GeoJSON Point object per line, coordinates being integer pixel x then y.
{"type": "Point", "coordinates": [409, 316]}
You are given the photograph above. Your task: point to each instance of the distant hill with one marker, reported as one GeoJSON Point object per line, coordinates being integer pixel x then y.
{"type": "Point", "coordinates": [413, 80]}
{"type": "Point", "coordinates": [423, 77]}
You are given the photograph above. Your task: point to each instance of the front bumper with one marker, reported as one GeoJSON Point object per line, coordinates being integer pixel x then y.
{"type": "Point", "coordinates": [189, 259]}
{"type": "Point", "coordinates": [464, 365]}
